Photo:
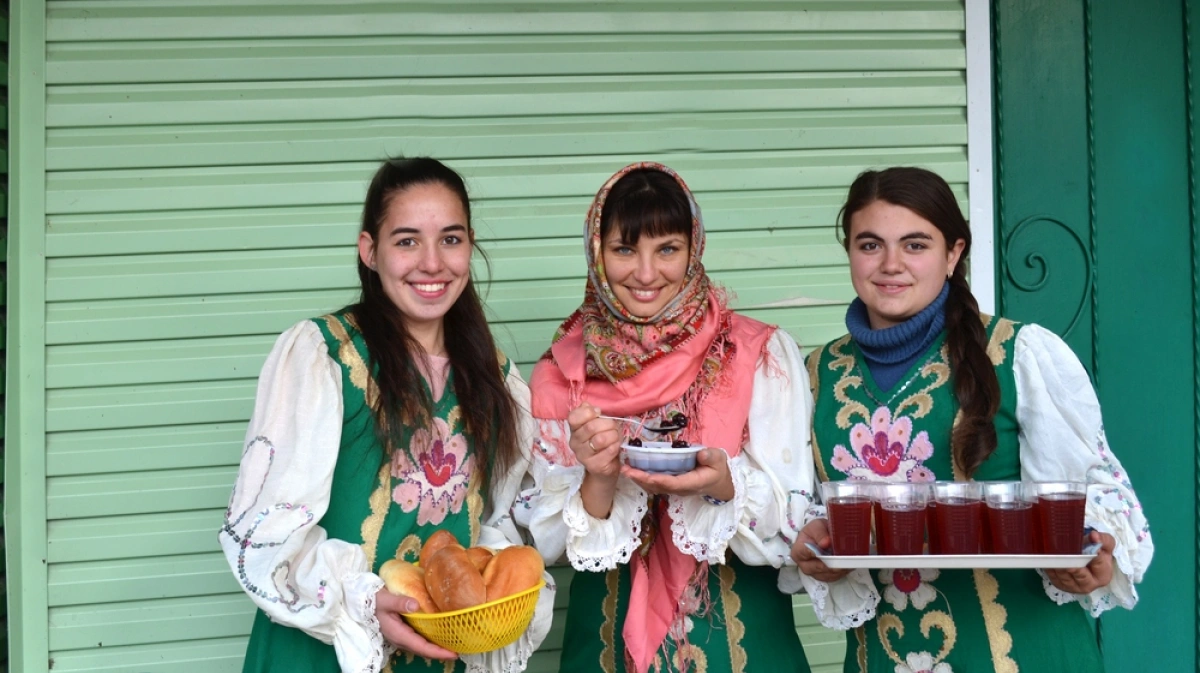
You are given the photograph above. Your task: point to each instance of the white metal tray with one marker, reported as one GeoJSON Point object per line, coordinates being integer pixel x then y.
{"type": "Point", "coordinates": [959, 561]}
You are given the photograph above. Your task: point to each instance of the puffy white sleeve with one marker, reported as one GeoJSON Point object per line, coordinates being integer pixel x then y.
{"type": "Point", "coordinates": [280, 556]}
{"type": "Point", "coordinates": [559, 522]}
{"type": "Point", "coordinates": [777, 488]}
{"type": "Point", "coordinates": [774, 468]}
{"type": "Point", "coordinates": [1062, 438]}
{"type": "Point", "coordinates": [499, 530]}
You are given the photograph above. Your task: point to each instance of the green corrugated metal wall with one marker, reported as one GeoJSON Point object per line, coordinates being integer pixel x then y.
{"type": "Point", "coordinates": [204, 164]}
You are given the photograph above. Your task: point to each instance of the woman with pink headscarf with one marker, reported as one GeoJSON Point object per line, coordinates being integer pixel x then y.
{"type": "Point", "coordinates": [677, 572]}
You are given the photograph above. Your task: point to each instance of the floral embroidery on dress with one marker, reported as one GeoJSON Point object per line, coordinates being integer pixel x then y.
{"type": "Point", "coordinates": [885, 451]}
{"type": "Point", "coordinates": [437, 484]}
{"type": "Point", "coordinates": [922, 662]}
{"type": "Point", "coordinates": [908, 584]}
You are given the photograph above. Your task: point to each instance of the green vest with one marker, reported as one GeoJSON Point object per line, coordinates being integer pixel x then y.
{"type": "Point", "coordinates": [390, 507]}
{"type": "Point", "coordinates": [986, 621]}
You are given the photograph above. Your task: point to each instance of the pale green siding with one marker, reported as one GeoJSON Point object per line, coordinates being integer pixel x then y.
{"type": "Point", "coordinates": [204, 164]}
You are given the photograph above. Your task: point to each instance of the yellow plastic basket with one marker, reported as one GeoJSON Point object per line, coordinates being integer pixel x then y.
{"type": "Point", "coordinates": [483, 628]}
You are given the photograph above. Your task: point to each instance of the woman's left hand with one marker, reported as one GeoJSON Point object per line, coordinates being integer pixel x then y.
{"type": "Point", "coordinates": [710, 477]}
{"type": "Point", "coordinates": [1094, 575]}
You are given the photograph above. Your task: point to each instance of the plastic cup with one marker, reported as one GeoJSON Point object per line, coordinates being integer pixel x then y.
{"type": "Point", "coordinates": [848, 505]}
{"type": "Point", "coordinates": [1060, 514]}
{"type": "Point", "coordinates": [900, 527]}
{"type": "Point", "coordinates": [959, 515]}
{"type": "Point", "coordinates": [1010, 514]}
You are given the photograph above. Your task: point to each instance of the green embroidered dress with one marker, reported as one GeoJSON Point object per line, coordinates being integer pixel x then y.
{"type": "Point", "coordinates": [316, 510]}
{"type": "Point", "coordinates": [981, 620]}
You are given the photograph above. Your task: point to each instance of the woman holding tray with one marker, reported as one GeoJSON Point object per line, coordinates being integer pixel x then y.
{"type": "Point", "coordinates": [924, 387]}
{"type": "Point", "coordinates": [677, 572]}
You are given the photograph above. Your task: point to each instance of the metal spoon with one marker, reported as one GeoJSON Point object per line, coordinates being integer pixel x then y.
{"type": "Point", "coordinates": [676, 422]}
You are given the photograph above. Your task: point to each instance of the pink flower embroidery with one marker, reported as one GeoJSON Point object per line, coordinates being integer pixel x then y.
{"type": "Point", "coordinates": [437, 483]}
{"type": "Point", "coordinates": [886, 451]}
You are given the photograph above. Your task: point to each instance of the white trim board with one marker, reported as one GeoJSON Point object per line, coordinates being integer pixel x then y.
{"type": "Point", "coordinates": [980, 184]}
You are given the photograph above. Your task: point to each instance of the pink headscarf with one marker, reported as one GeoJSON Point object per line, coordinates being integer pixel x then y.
{"type": "Point", "coordinates": [695, 354]}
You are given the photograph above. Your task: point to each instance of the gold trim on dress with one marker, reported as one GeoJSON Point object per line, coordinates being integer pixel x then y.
{"type": "Point", "coordinates": [944, 623]}
{"type": "Point", "coordinates": [360, 376]}
{"type": "Point", "coordinates": [732, 605]}
{"type": "Point", "coordinates": [921, 399]}
{"type": "Point", "coordinates": [474, 510]}
{"type": "Point", "coordinates": [814, 383]}
{"type": "Point", "coordinates": [690, 654]}
{"type": "Point", "coordinates": [889, 622]}
{"type": "Point", "coordinates": [860, 634]}
{"type": "Point", "coordinates": [995, 616]}
{"type": "Point", "coordinates": [845, 362]}
{"type": "Point", "coordinates": [813, 364]}
{"type": "Point", "coordinates": [608, 655]}
{"type": "Point", "coordinates": [932, 619]}
{"type": "Point", "coordinates": [373, 524]}
{"type": "Point", "coordinates": [409, 548]}
{"type": "Point", "coordinates": [1005, 330]}
{"type": "Point", "coordinates": [819, 460]}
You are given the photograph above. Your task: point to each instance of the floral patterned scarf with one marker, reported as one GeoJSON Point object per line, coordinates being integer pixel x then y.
{"type": "Point", "coordinates": [619, 344]}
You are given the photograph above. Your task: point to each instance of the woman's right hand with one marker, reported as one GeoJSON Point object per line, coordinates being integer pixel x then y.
{"type": "Point", "coordinates": [817, 533]}
{"type": "Point", "coordinates": [396, 631]}
{"type": "Point", "coordinates": [595, 441]}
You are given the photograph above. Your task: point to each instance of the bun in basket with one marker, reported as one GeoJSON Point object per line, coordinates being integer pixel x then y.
{"type": "Point", "coordinates": [480, 556]}
{"type": "Point", "coordinates": [405, 579]}
{"type": "Point", "coordinates": [440, 539]}
{"type": "Point", "coordinates": [452, 579]}
{"type": "Point", "coordinates": [511, 570]}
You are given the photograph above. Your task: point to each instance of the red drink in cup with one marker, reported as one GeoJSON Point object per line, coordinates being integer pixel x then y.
{"type": "Point", "coordinates": [931, 534]}
{"type": "Point", "coordinates": [959, 517]}
{"type": "Point", "coordinates": [904, 527]}
{"type": "Point", "coordinates": [880, 531]}
{"type": "Point", "coordinates": [900, 529]}
{"type": "Point", "coordinates": [848, 504]}
{"type": "Point", "coordinates": [1010, 515]}
{"type": "Point", "coordinates": [1060, 513]}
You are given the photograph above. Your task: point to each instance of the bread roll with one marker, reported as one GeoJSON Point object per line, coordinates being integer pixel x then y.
{"type": "Point", "coordinates": [439, 539]}
{"type": "Point", "coordinates": [480, 556]}
{"type": "Point", "coordinates": [512, 570]}
{"type": "Point", "coordinates": [452, 579]}
{"type": "Point", "coordinates": [405, 579]}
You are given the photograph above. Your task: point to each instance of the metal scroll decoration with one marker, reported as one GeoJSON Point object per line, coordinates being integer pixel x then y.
{"type": "Point", "coordinates": [1036, 262]}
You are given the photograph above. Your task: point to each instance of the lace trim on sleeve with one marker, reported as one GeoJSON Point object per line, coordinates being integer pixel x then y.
{"type": "Point", "coordinates": [724, 522]}
{"type": "Point", "coordinates": [380, 651]}
{"type": "Point", "coordinates": [583, 526]}
{"type": "Point", "coordinates": [818, 592]}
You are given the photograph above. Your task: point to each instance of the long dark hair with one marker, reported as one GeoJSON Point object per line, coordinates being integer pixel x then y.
{"type": "Point", "coordinates": [975, 384]}
{"type": "Point", "coordinates": [489, 411]}
{"type": "Point", "coordinates": [646, 201]}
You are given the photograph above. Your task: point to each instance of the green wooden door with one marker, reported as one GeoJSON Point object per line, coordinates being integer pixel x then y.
{"type": "Point", "coordinates": [1097, 241]}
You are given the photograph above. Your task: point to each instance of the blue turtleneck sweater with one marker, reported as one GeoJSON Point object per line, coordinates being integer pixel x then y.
{"type": "Point", "coordinates": [890, 351]}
